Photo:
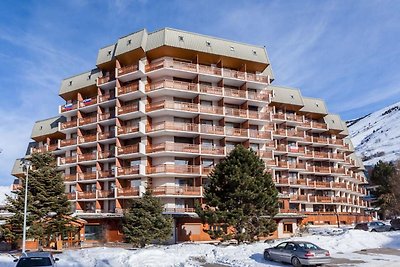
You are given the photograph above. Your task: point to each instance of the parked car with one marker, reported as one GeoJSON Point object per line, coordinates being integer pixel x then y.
{"type": "Point", "coordinates": [298, 253]}
{"type": "Point", "coordinates": [44, 259]}
{"type": "Point", "coordinates": [373, 227]}
{"type": "Point", "coordinates": [395, 223]}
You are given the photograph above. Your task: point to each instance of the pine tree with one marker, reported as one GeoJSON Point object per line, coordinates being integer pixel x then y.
{"type": "Point", "coordinates": [242, 195]}
{"type": "Point", "coordinates": [48, 206]}
{"type": "Point", "coordinates": [144, 223]}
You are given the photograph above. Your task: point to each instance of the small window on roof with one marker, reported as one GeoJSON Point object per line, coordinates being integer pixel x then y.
{"type": "Point", "coordinates": [208, 43]}
{"type": "Point", "coordinates": [129, 42]}
{"type": "Point", "coordinates": [292, 96]}
{"type": "Point", "coordinates": [89, 76]}
{"type": "Point", "coordinates": [70, 83]}
{"type": "Point", "coordinates": [317, 104]}
{"type": "Point", "coordinates": [41, 127]}
{"type": "Point", "coordinates": [255, 52]}
{"type": "Point", "coordinates": [232, 48]}
{"type": "Point", "coordinates": [333, 121]}
{"type": "Point", "coordinates": [180, 38]}
{"type": "Point", "coordinates": [109, 53]}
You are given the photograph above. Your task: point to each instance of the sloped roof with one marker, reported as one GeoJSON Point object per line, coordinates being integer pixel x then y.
{"type": "Point", "coordinates": [334, 122]}
{"type": "Point", "coordinates": [314, 105]}
{"type": "Point", "coordinates": [46, 126]}
{"type": "Point", "coordinates": [286, 95]}
{"type": "Point", "coordinates": [82, 80]}
{"type": "Point", "coordinates": [17, 167]}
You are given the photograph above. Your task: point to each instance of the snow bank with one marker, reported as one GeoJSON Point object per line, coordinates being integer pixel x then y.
{"type": "Point", "coordinates": [341, 246]}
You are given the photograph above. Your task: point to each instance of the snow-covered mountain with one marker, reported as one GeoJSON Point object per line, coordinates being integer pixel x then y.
{"type": "Point", "coordinates": [376, 136]}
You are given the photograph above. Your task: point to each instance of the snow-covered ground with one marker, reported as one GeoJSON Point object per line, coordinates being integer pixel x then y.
{"type": "Point", "coordinates": [376, 136]}
{"type": "Point", "coordinates": [340, 246]}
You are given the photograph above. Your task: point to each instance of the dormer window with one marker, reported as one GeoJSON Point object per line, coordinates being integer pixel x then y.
{"type": "Point", "coordinates": [292, 96]}
{"type": "Point", "coordinates": [254, 52]}
{"type": "Point", "coordinates": [208, 43]}
{"type": "Point", "coordinates": [109, 53]}
{"type": "Point", "coordinates": [317, 104]}
{"type": "Point", "coordinates": [89, 77]}
{"type": "Point", "coordinates": [232, 49]}
{"type": "Point", "coordinates": [70, 83]}
{"type": "Point", "coordinates": [180, 38]}
{"type": "Point", "coordinates": [129, 42]}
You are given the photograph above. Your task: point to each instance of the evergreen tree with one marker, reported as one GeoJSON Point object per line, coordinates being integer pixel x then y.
{"type": "Point", "coordinates": [48, 206]}
{"type": "Point", "coordinates": [240, 194]}
{"type": "Point", "coordinates": [144, 223]}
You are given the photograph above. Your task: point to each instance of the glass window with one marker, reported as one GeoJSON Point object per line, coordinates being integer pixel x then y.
{"type": "Point", "coordinates": [93, 232]}
{"type": "Point", "coordinates": [281, 245]}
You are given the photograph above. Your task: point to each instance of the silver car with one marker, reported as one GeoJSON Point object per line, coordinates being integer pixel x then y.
{"type": "Point", "coordinates": [44, 259]}
{"type": "Point", "coordinates": [375, 226]}
{"type": "Point", "coordinates": [298, 253]}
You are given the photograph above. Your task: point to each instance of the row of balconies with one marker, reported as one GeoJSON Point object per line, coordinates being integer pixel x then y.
{"type": "Point", "coordinates": [86, 102]}
{"type": "Point", "coordinates": [127, 192]}
{"type": "Point", "coordinates": [308, 153]}
{"type": "Point", "coordinates": [327, 200]}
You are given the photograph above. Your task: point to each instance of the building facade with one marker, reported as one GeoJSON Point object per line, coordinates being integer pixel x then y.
{"type": "Point", "coordinates": [161, 109]}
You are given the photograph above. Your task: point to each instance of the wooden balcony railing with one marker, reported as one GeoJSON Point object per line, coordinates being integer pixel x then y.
{"type": "Point", "coordinates": [86, 175]}
{"type": "Point", "coordinates": [86, 156]}
{"type": "Point", "coordinates": [212, 150]}
{"type": "Point", "coordinates": [129, 149]}
{"type": "Point", "coordinates": [106, 135]}
{"type": "Point", "coordinates": [88, 120]}
{"type": "Point", "coordinates": [128, 129]}
{"type": "Point", "coordinates": [131, 170]}
{"type": "Point", "coordinates": [88, 102]}
{"type": "Point", "coordinates": [87, 138]}
{"type": "Point", "coordinates": [260, 134]}
{"type": "Point", "coordinates": [299, 198]}
{"type": "Point", "coordinates": [68, 124]}
{"type": "Point", "coordinates": [185, 86]}
{"type": "Point", "coordinates": [106, 174]}
{"type": "Point", "coordinates": [319, 125]}
{"type": "Point", "coordinates": [103, 80]}
{"type": "Point", "coordinates": [105, 193]}
{"type": "Point", "coordinates": [70, 177]}
{"type": "Point", "coordinates": [68, 160]}
{"type": "Point", "coordinates": [128, 88]}
{"type": "Point", "coordinates": [211, 129]}
{"type": "Point", "coordinates": [128, 191]}
{"type": "Point", "coordinates": [71, 196]}
{"type": "Point", "coordinates": [86, 195]}
{"type": "Point", "coordinates": [69, 107]}
{"type": "Point", "coordinates": [212, 109]}
{"type": "Point", "coordinates": [106, 116]}
{"type": "Point", "coordinates": [210, 70]}
{"type": "Point", "coordinates": [261, 95]}
{"type": "Point", "coordinates": [105, 97]}
{"type": "Point", "coordinates": [177, 190]}
{"type": "Point", "coordinates": [259, 115]}
{"type": "Point", "coordinates": [173, 126]}
{"type": "Point", "coordinates": [236, 112]}
{"type": "Point", "coordinates": [105, 154]}
{"type": "Point", "coordinates": [179, 210]}
{"type": "Point", "coordinates": [127, 69]}
{"type": "Point", "coordinates": [208, 89]}
{"type": "Point", "coordinates": [128, 109]}
{"type": "Point", "coordinates": [234, 93]}
{"type": "Point", "coordinates": [173, 147]}
{"type": "Point", "coordinates": [236, 132]}
{"type": "Point", "coordinates": [170, 168]}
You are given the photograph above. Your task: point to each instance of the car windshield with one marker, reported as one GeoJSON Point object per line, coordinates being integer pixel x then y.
{"type": "Point", "coordinates": [380, 224]}
{"type": "Point", "coordinates": [308, 246]}
{"type": "Point", "coordinates": [34, 261]}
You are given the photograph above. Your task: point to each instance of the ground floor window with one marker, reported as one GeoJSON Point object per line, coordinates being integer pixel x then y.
{"type": "Point", "coordinates": [93, 232]}
{"type": "Point", "coordinates": [288, 228]}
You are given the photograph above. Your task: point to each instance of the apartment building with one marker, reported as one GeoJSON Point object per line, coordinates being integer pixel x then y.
{"type": "Point", "coordinates": [161, 109]}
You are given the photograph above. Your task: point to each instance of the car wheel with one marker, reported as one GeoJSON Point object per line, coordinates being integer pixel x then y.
{"type": "Point", "coordinates": [296, 262]}
{"type": "Point", "coordinates": [391, 229]}
{"type": "Point", "coordinates": [267, 256]}
{"type": "Point", "coordinates": [373, 230]}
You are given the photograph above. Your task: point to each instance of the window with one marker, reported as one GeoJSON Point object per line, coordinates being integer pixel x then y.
{"type": "Point", "coordinates": [207, 142]}
{"type": "Point", "coordinates": [109, 53]}
{"type": "Point", "coordinates": [255, 52]}
{"type": "Point", "coordinates": [207, 162]}
{"type": "Point", "coordinates": [288, 228]}
{"type": "Point", "coordinates": [70, 83]}
{"type": "Point", "coordinates": [208, 43]}
{"type": "Point", "coordinates": [129, 42]}
{"type": "Point", "coordinates": [232, 48]}
{"type": "Point", "coordinates": [281, 245]}
{"type": "Point", "coordinates": [93, 232]}
{"type": "Point", "coordinates": [180, 38]}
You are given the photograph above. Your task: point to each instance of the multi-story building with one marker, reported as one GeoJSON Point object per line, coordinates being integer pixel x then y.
{"type": "Point", "coordinates": [161, 109]}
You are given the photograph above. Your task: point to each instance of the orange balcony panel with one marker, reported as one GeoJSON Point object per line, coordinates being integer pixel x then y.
{"type": "Point", "coordinates": [271, 162]}
{"type": "Point", "coordinates": [106, 135]}
{"type": "Point", "coordinates": [86, 195]}
{"type": "Point", "coordinates": [105, 97]}
{"type": "Point", "coordinates": [173, 126]}
{"type": "Point", "coordinates": [235, 93]}
{"type": "Point", "coordinates": [176, 190]}
{"type": "Point", "coordinates": [339, 185]}
{"type": "Point", "coordinates": [88, 102]}
{"type": "Point", "coordinates": [206, 170]}
{"type": "Point", "coordinates": [105, 116]}
{"type": "Point", "coordinates": [257, 78]}
{"type": "Point", "coordinates": [213, 90]}
{"type": "Point", "coordinates": [321, 184]}
{"type": "Point", "coordinates": [179, 210]}
{"type": "Point", "coordinates": [283, 180]}
{"type": "Point", "coordinates": [105, 193]}
{"type": "Point", "coordinates": [338, 142]}
{"type": "Point", "coordinates": [212, 109]}
{"type": "Point", "coordinates": [87, 120]}
{"type": "Point", "coordinates": [86, 175]}
{"type": "Point", "coordinates": [106, 154]}
{"type": "Point", "coordinates": [128, 129]}
{"type": "Point", "coordinates": [262, 95]}
{"type": "Point", "coordinates": [283, 164]}
{"type": "Point", "coordinates": [279, 116]}
{"type": "Point", "coordinates": [173, 85]}
{"type": "Point", "coordinates": [319, 125]}
{"type": "Point", "coordinates": [128, 88]}
{"type": "Point", "coordinates": [128, 191]}
{"type": "Point", "coordinates": [70, 177]}
{"type": "Point", "coordinates": [210, 70]}
{"type": "Point", "coordinates": [103, 80]}
{"type": "Point", "coordinates": [131, 170]}
{"type": "Point", "coordinates": [264, 154]}
{"type": "Point", "coordinates": [128, 149]}
{"type": "Point", "coordinates": [106, 174]}
{"type": "Point", "coordinates": [211, 129]}
{"type": "Point", "coordinates": [212, 150]}
{"type": "Point", "coordinates": [318, 154]}
{"type": "Point", "coordinates": [323, 199]}
{"type": "Point", "coordinates": [68, 124]}
{"type": "Point", "coordinates": [296, 134]}
{"type": "Point", "coordinates": [174, 147]}
{"type": "Point", "coordinates": [87, 138]}
{"type": "Point", "coordinates": [169, 168]}
{"type": "Point", "coordinates": [320, 140]}
{"type": "Point", "coordinates": [236, 112]}
{"type": "Point", "coordinates": [86, 156]}
{"type": "Point", "coordinates": [299, 198]}
{"type": "Point", "coordinates": [236, 132]}
{"type": "Point", "coordinates": [280, 132]}
{"type": "Point", "coordinates": [71, 196]}
{"type": "Point", "coordinates": [234, 74]}
{"type": "Point", "coordinates": [127, 69]}
{"type": "Point", "coordinates": [128, 109]}
{"type": "Point", "coordinates": [322, 169]}
{"type": "Point", "coordinates": [68, 160]}
{"type": "Point", "coordinates": [259, 115]}
{"type": "Point", "coordinates": [39, 149]}
{"type": "Point", "coordinates": [68, 142]}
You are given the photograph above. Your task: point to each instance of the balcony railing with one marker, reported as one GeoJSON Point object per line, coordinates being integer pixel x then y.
{"type": "Point", "coordinates": [86, 175]}
{"type": "Point", "coordinates": [105, 193]}
{"type": "Point", "coordinates": [172, 84]}
{"type": "Point", "coordinates": [179, 210]}
{"type": "Point", "coordinates": [211, 129]}
{"type": "Point", "coordinates": [260, 134]}
{"type": "Point", "coordinates": [131, 170]}
{"type": "Point", "coordinates": [128, 129]}
{"type": "Point", "coordinates": [128, 88]}
{"type": "Point", "coordinates": [177, 190]}
{"type": "Point", "coordinates": [170, 168]}
{"type": "Point", "coordinates": [173, 147]}
{"type": "Point", "coordinates": [129, 149]}
{"type": "Point", "coordinates": [87, 195]}
{"type": "Point", "coordinates": [106, 174]}
{"type": "Point", "coordinates": [106, 116]}
{"type": "Point", "coordinates": [128, 191]}
{"type": "Point", "coordinates": [105, 154]}
{"type": "Point", "coordinates": [87, 138]}
{"type": "Point", "coordinates": [70, 177]}
{"type": "Point", "coordinates": [127, 69]}
{"type": "Point", "coordinates": [106, 135]}
{"type": "Point", "coordinates": [88, 102]}
{"type": "Point", "coordinates": [68, 142]}
{"type": "Point", "coordinates": [105, 97]}
{"type": "Point", "coordinates": [104, 79]}
{"type": "Point", "coordinates": [68, 160]}
{"type": "Point", "coordinates": [208, 89]}
{"type": "Point", "coordinates": [212, 150]}
{"type": "Point", "coordinates": [212, 109]}
{"type": "Point", "coordinates": [128, 109]}
{"type": "Point", "coordinates": [71, 196]}
{"type": "Point", "coordinates": [69, 107]}
{"type": "Point", "coordinates": [68, 124]}
{"type": "Point", "coordinates": [88, 120]}
{"type": "Point", "coordinates": [174, 126]}
{"type": "Point", "coordinates": [236, 112]}
{"type": "Point", "coordinates": [86, 156]}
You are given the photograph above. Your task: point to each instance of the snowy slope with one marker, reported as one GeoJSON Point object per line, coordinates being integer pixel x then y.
{"type": "Point", "coordinates": [377, 135]}
{"type": "Point", "coordinates": [340, 246]}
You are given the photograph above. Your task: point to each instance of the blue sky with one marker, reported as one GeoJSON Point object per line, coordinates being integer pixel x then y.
{"type": "Point", "coordinates": [346, 52]}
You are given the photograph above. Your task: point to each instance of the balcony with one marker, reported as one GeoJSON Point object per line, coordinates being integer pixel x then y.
{"type": "Point", "coordinates": [130, 170]}
{"type": "Point", "coordinates": [128, 88]}
{"type": "Point", "coordinates": [173, 126]}
{"type": "Point", "coordinates": [87, 138]}
{"type": "Point", "coordinates": [321, 155]}
{"type": "Point", "coordinates": [129, 149]}
{"type": "Point", "coordinates": [172, 64]}
{"type": "Point", "coordinates": [105, 154]}
{"type": "Point", "coordinates": [173, 147]}
{"type": "Point", "coordinates": [212, 90]}
{"type": "Point", "coordinates": [176, 191]}
{"type": "Point", "coordinates": [88, 102]}
{"type": "Point", "coordinates": [105, 97]}
{"type": "Point", "coordinates": [127, 69]}
{"type": "Point", "coordinates": [71, 196]}
{"type": "Point", "coordinates": [70, 177]}
{"type": "Point", "coordinates": [260, 134]}
{"type": "Point", "coordinates": [259, 115]}
{"type": "Point", "coordinates": [236, 112]}
{"type": "Point", "coordinates": [299, 198]}
{"type": "Point", "coordinates": [105, 79]}
{"type": "Point", "coordinates": [257, 78]}
{"type": "Point", "coordinates": [184, 86]}
{"type": "Point", "coordinates": [128, 192]}
{"type": "Point", "coordinates": [106, 116]}
{"type": "Point", "coordinates": [212, 109]}
{"type": "Point", "coordinates": [320, 184]}
{"type": "Point", "coordinates": [68, 142]}
{"type": "Point", "coordinates": [319, 125]}
{"type": "Point", "coordinates": [41, 149]}
{"type": "Point", "coordinates": [211, 129]}
{"type": "Point", "coordinates": [320, 140]}
{"type": "Point", "coordinates": [236, 132]}
{"type": "Point", "coordinates": [321, 199]}
{"type": "Point", "coordinates": [289, 117]}
{"type": "Point", "coordinates": [128, 129]}
{"type": "Point", "coordinates": [182, 106]}
{"type": "Point", "coordinates": [106, 174]}
{"type": "Point", "coordinates": [88, 120]}
{"type": "Point", "coordinates": [105, 193]}
{"type": "Point", "coordinates": [105, 135]}
{"type": "Point", "coordinates": [68, 160]}
{"type": "Point", "coordinates": [179, 210]}
{"type": "Point", "coordinates": [86, 176]}
{"type": "Point", "coordinates": [171, 168]}
{"type": "Point", "coordinates": [69, 107]}
{"type": "Point", "coordinates": [124, 109]}
{"type": "Point", "coordinates": [234, 93]}
{"type": "Point", "coordinates": [264, 154]}
{"type": "Point", "coordinates": [87, 195]}
{"type": "Point", "coordinates": [212, 150]}
{"type": "Point", "coordinates": [68, 124]}
{"type": "Point", "coordinates": [86, 157]}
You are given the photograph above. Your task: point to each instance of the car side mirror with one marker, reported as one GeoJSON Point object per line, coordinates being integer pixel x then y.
{"type": "Point", "coordinates": [56, 259]}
